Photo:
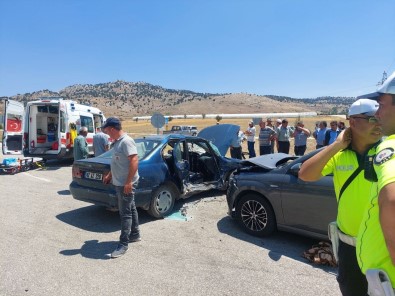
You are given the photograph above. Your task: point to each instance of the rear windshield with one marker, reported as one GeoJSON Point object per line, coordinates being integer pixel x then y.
{"type": "Point", "coordinates": [144, 147]}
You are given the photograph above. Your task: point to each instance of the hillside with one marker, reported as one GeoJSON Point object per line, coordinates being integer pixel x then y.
{"type": "Point", "coordinates": [128, 99]}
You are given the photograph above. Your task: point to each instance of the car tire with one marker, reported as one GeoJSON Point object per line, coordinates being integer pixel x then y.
{"type": "Point", "coordinates": [255, 215]}
{"type": "Point", "coordinates": [162, 201]}
{"type": "Point", "coordinates": [194, 134]}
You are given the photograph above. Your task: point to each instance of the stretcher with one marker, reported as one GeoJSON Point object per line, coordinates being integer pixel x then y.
{"type": "Point", "coordinates": [15, 165]}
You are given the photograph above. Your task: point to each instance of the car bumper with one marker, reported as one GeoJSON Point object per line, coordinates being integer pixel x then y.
{"type": "Point", "coordinates": [95, 196]}
{"type": "Point", "coordinates": [107, 198]}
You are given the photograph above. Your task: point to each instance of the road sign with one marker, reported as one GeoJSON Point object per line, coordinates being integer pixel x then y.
{"type": "Point", "coordinates": [157, 120]}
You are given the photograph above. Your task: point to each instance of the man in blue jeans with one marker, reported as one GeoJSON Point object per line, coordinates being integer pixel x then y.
{"type": "Point", "coordinates": [124, 176]}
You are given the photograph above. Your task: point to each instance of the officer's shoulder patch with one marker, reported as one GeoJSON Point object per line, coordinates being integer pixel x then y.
{"type": "Point", "coordinates": [383, 156]}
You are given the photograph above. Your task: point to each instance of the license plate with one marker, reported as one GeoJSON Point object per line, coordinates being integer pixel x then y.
{"type": "Point", "coordinates": [93, 176]}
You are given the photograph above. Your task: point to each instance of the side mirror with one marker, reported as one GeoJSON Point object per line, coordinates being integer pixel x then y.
{"type": "Point", "coordinates": [294, 170]}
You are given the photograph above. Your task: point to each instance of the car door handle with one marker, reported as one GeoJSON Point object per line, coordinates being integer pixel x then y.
{"type": "Point", "coordinates": [273, 186]}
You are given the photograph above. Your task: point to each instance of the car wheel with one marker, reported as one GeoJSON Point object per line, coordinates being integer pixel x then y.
{"type": "Point", "coordinates": [255, 215]}
{"type": "Point", "coordinates": [194, 134]}
{"type": "Point", "coordinates": [162, 201]}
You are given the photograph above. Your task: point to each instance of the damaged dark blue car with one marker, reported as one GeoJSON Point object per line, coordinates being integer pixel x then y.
{"type": "Point", "coordinates": [170, 167]}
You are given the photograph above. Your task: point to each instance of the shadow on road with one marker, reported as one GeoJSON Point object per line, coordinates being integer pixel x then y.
{"type": "Point", "coordinates": [97, 219]}
{"type": "Point", "coordinates": [279, 244]}
{"type": "Point", "coordinates": [92, 249]}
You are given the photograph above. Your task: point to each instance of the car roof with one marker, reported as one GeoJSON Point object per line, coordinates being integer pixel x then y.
{"type": "Point", "coordinates": [161, 137]}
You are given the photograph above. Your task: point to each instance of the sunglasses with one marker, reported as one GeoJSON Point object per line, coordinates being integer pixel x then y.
{"type": "Point", "coordinates": [370, 119]}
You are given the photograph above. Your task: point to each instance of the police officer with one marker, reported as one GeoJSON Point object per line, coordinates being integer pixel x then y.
{"type": "Point", "coordinates": [344, 159]}
{"type": "Point", "coordinates": [376, 238]}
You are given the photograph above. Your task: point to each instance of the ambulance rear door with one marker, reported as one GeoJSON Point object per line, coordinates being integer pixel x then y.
{"type": "Point", "coordinates": [13, 127]}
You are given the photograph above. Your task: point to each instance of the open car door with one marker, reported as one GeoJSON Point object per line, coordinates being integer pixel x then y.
{"type": "Point", "coordinates": [13, 127]}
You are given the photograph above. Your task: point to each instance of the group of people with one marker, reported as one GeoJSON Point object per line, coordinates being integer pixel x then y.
{"type": "Point", "coordinates": [270, 136]}
{"type": "Point", "coordinates": [325, 136]}
{"type": "Point", "coordinates": [362, 164]}
{"type": "Point", "coordinates": [100, 143]}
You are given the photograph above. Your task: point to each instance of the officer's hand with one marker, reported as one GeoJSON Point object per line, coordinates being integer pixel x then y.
{"type": "Point", "coordinates": [343, 139]}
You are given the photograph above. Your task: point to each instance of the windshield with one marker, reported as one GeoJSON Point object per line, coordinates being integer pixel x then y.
{"type": "Point", "coordinates": [215, 149]}
{"type": "Point", "coordinates": [144, 147]}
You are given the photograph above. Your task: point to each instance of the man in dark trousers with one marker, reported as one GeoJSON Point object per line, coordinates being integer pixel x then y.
{"type": "Point", "coordinates": [376, 238]}
{"type": "Point", "coordinates": [344, 158]}
{"type": "Point", "coordinates": [124, 176]}
{"type": "Point", "coordinates": [80, 149]}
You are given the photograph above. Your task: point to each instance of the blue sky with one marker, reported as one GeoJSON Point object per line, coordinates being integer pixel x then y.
{"type": "Point", "coordinates": [304, 48]}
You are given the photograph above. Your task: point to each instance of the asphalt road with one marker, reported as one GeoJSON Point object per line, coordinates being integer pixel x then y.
{"type": "Point", "coordinates": [55, 245]}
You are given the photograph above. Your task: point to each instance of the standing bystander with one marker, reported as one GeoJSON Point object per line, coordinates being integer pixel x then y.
{"type": "Point", "coordinates": [300, 135]}
{"type": "Point", "coordinates": [100, 142]}
{"type": "Point", "coordinates": [320, 134]}
{"type": "Point", "coordinates": [331, 134]}
{"type": "Point", "coordinates": [284, 133]}
{"type": "Point", "coordinates": [124, 176]}
{"type": "Point", "coordinates": [250, 133]}
{"type": "Point", "coordinates": [273, 140]}
{"type": "Point", "coordinates": [80, 149]}
{"type": "Point", "coordinates": [266, 135]}
{"type": "Point", "coordinates": [235, 145]}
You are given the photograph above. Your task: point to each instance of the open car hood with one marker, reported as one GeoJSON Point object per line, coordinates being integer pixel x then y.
{"type": "Point", "coordinates": [220, 135]}
{"type": "Point", "coordinates": [269, 161]}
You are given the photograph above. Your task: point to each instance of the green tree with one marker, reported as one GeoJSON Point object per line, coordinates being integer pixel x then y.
{"type": "Point", "coordinates": [218, 118]}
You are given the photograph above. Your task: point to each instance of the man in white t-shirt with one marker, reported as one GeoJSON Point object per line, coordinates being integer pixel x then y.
{"type": "Point", "coordinates": [250, 133]}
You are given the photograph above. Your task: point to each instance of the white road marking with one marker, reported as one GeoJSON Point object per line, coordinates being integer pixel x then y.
{"type": "Point", "coordinates": [42, 179]}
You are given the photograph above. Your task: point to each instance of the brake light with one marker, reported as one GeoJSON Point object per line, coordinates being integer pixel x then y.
{"type": "Point", "coordinates": [25, 137]}
{"type": "Point", "coordinates": [76, 172]}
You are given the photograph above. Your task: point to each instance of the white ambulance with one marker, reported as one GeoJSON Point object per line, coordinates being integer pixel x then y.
{"type": "Point", "coordinates": [47, 127]}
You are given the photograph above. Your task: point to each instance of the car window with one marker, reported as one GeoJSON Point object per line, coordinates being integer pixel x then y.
{"type": "Point", "coordinates": [215, 149]}
{"type": "Point", "coordinates": [87, 122]}
{"type": "Point", "coordinates": [144, 148]}
{"type": "Point", "coordinates": [198, 147]}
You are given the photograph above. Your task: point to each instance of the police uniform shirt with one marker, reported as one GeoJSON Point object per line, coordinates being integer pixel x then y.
{"type": "Point", "coordinates": [354, 198]}
{"type": "Point", "coordinates": [372, 250]}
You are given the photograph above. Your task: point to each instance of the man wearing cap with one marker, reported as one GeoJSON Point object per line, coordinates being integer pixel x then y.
{"type": "Point", "coordinates": [376, 238]}
{"type": "Point", "coordinates": [250, 133]}
{"type": "Point", "coordinates": [344, 158]}
{"type": "Point", "coordinates": [124, 176]}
